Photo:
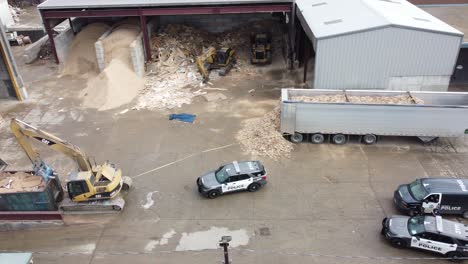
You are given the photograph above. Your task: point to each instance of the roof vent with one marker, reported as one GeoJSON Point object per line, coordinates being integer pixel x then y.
{"type": "Point", "coordinates": [319, 4]}
{"type": "Point", "coordinates": [421, 19]}
{"type": "Point", "coordinates": [336, 21]}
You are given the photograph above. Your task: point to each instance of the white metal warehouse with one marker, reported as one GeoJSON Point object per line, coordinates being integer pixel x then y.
{"type": "Point", "coordinates": [378, 44]}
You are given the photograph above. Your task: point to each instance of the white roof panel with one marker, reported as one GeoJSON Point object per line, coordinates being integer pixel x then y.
{"type": "Point", "coordinates": [328, 18]}
{"type": "Point", "coordinates": [70, 4]}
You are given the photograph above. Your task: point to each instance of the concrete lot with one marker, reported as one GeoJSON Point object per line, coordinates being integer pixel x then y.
{"type": "Point", "coordinates": [324, 204]}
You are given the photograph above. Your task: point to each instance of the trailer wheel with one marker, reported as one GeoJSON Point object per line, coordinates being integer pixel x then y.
{"type": "Point", "coordinates": [339, 139]}
{"type": "Point", "coordinates": [297, 138]}
{"type": "Point", "coordinates": [369, 139]}
{"type": "Point", "coordinates": [317, 138]}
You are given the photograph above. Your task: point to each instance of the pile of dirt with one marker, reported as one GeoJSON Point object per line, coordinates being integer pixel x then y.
{"type": "Point", "coordinates": [118, 84]}
{"type": "Point", "coordinates": [341, 98]}
{"type": "Point", "coordinates": [261, 136]}
{"type": "Point", "coordinates": [82, 55]}
{"type": "Point", "coordinates": [20, 182]}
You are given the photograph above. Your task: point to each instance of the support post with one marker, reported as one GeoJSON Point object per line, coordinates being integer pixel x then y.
{"type": "Point", "coordinates": [306, 57]}
{"type": "Point", "coordinates": [71, 25]}
{"type": "Point", "coordinates": [292, 35]}
{"type": "Point", "coordinates": [50, 33]}
{"type": "Point", "coordinates": [146, 42]}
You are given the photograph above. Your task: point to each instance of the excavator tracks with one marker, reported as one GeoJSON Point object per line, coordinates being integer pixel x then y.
{"type": "Point", "coordinates": [115, 205]}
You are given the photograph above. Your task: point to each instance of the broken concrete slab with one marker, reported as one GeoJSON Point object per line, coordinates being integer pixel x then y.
{"type": "Point", "coordinates": [211, 97]}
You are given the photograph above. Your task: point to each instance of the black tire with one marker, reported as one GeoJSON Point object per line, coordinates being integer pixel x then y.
{"type": "Point", "coordinates": [317, 138]}
{"type": "Point", "coordinates": [465, 214]}
{"type": "Point", "coordinates": [253, 187]}
{"type": "Point", "coordinates": [455, 256]}
{"type": "Point", "coordinates": [297, 138]}
{"type": "Point", "coordinates": [339, 139]}
{"type": "Point", "coordinates": [213, 194]}
{"type": "Point", "coordinates": [413, 212]}
{"type": "Point", "coordinates": [398, 243]}
{"type": "Point", "coordinates": [369, 139]}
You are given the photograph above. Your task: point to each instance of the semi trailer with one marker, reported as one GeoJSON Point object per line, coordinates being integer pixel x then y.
{"type": "Point", "coordinates": [318, 115]}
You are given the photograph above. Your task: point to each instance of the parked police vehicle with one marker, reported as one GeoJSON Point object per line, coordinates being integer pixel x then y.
{"type": "Point", "coordinates": [428, 233]}
{"type": "Point", "coordinates": [433, 195]}
{"type": "Point", "coordinates": [235, 176]}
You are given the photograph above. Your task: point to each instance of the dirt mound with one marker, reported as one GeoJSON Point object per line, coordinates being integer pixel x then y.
{"type": "Point", "coordinates": [20, 182]}
{"type": "Point", "coordinates": [117, 84]}
{"type": "Point", "coordinates": [82, 56]}
{"type": "Point", "coordinates": [261, 136]}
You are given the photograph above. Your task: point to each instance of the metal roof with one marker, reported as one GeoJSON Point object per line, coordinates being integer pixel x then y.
{"type": "Point", "coordinates": [327, 18]}
{"type": "Point", "coordinates": [71, 4]}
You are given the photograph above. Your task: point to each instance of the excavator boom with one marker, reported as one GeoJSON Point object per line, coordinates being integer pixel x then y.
{"type": "Point", "coordinates": [23, 132]}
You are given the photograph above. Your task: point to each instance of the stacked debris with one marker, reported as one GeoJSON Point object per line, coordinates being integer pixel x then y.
{"type": "Point", "coordinates": [20, 182]}
{"type": "Point", "coordinates": [15, 12]}
{"type": "Point", "coordinates": [341, 98]}
{"type": "Point", "coordinates": [261, 136]}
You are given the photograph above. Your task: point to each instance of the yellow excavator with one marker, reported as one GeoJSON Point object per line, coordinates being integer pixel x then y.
{"type": "Point", "coordinates": [91, 188]}
{"type": "Point", "coordinates": [222, 59]}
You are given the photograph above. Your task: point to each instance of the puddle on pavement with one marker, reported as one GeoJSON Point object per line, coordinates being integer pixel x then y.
{"type": "Point", "coordinates": [149, 200]}
{"type": "Point", "coordinates": [163, 241]}
{"type": "Point", "coordinates": [209, 239]}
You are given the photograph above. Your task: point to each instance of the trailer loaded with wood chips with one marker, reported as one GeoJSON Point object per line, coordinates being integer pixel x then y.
{"type": "Point", "coordinates": [334, 115]}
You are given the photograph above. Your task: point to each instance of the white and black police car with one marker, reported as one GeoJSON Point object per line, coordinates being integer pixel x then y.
{"type": "Point", "coordinates": [232, 177]}
{"type": "Point", "coordinates": [429, 233]}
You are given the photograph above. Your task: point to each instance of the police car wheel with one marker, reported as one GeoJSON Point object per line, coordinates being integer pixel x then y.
{"type": "Point", "coordinates": [455, 256]}
{"type": "Point", "coordinates": [413, 212]}
{"type": "Point", "coordinates": [465, 214]}
{"type": "Point", "coordinates": [254, 187]}
{"type": "Point", "coordinates": [398, 243]}
{"type": "Point", "coordinates": [213, 194]}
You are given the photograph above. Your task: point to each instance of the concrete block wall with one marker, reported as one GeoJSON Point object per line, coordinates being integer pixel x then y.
{"type": "Point", "coordinates": [99, 47]}
{"type": "Point", "coordinates": [65, 38]}
{"type": "Point", "coordinates": [213, 23]}
{"type": "Point", "coordinates": [138, 55]}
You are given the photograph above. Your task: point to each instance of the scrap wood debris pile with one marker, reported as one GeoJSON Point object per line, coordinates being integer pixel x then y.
{"type": "Point", "coordinates": [175, 79]}
{"type": "Point", "coordinates": [261, 136]}
{"type": "Point", "coordinates": [20, 182]}
{"type": "Point", "coordinates": [341, 98]}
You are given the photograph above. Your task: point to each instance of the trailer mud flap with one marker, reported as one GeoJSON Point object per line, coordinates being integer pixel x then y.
{"type": "Point", "coordinates": [288, 118]}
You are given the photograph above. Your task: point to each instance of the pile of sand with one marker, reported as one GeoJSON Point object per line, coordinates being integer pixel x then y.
{"type": "Point", "coordinates": [261, 136]}
{"type": "Point", "coordinates": [118, 84]}
{"type": "Point", "coordinates": [82, 55]}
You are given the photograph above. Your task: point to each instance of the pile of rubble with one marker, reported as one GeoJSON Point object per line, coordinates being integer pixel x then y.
{"type": "Point", "coordinates": [175, 76]}
{"type": "Point", "coordinates": [15, 12]}
{"type": "Point", "coordinates": [20, 182]}
{"type": "Point", "coordinates": [341, 98]}
{"type": "Point", "coordinates": [261, 137]}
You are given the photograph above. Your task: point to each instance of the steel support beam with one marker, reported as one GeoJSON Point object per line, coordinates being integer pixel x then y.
{"type": "Point", "coordinates": [146, 41]}
{"type": "Point", "coordinates": [50, 33]}
{"type": "Point", "coordinates": [167, 11]}
{"type": "Point", "coordinates": [306, 58]}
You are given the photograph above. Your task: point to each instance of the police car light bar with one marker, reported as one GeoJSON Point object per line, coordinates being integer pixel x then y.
{"type": "Point", "coordinates": [438, 224]}
{"type": "Point", "coordinates": [236, 166]}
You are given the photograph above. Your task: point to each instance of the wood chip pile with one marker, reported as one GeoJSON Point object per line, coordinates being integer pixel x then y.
{"type": "Point", "coordinates": [261, 137]}
{"type": "Point", "coordinates": [20, 182]}
{"type": "Point", "coordinates": [340, 98]}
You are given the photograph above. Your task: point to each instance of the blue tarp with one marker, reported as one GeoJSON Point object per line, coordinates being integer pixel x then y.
{"type": "Point", "coordinates": [188, 118]}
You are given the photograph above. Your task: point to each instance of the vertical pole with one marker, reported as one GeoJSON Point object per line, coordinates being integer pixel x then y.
{"type": "Point", "coordinates": [226, 253]}
{"type": "Point", "coordinates": [71, 25]}
{"type": "Point", "coordinates": [306, 57]}
{"type": "Point", "coordinates": [146, 41]}
{"type": "Point", "coordinates": [292, 35]}
{"type": "Point", "coordinates": [51, 36]}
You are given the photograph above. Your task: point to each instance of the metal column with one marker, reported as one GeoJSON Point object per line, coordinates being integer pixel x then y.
{"type": "Point", "coordinates": [306, 57]}
{"type": "Point", "coordinates": [50, 33]}
{"type": "Point", "coordinates": [146, 41]}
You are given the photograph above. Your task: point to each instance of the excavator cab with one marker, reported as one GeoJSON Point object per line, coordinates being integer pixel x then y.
{"type": "Point", "coordinates": [222, 59]}
{"type": "Point", "coordinates": [261, 48]}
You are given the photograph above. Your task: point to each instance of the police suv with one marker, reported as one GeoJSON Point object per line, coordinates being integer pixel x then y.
{"type": "Point", "coordinates": [433, 195]}
{"type": "Point", "coordinates": [235, 176]}
{"type": "Point", "coordinates": [427, 233]}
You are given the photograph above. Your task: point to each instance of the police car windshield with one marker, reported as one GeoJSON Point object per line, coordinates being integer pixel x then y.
{"type": "Point", "coordinates": [221, 175]}
{"type": "Point", "coordinates": [418, 191]}
{"type": "Point", "coordinates": [416, 225]}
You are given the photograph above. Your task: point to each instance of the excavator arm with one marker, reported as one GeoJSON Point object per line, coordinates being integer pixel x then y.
{"type": "Point", "coordinates": [204, 61]}
{"type": "Point", "coordinates": [25, 132]}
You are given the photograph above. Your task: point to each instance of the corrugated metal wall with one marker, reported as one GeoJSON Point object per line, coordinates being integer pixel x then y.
{"type": "Point", "coordinates": [367, 60]}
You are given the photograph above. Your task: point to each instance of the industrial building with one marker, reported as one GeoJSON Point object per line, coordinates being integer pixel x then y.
{"type": "Point", "coordinates": [391, 44]}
